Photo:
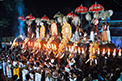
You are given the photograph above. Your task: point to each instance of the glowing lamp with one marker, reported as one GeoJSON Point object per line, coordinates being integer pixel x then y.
{"type": "Point", "coordinates": [79, 50]}
{"type": "Point", "coordinates": [72, 49]}
{"type": "Point", "coordinates": [119, 54]}
{"type": "Point", "coordinates": [75, 50]}
{"type": "Point", "coordinates": [83, 51]}
{"type": "Point", "coordinates": [69, 48]}
{"type": "Point", "coordinates": [93, 50]}
{"type": "Point", "coordinates": [39, 45]}
{"type": "Point", "coordinates": [45, 45]}
{"type": "Point", "coordinates": [109, 50]}
{"type": "Point", "coordinates": [114, 52]}
{"type": "Point", "coordinates": [98, 51]}
{"type": "Point", "coordinates": [66, 49]}
{"type": "Point", "coordinates": [35, 44]}
{"type": "Point", "coordinates": [103, 52]}
{"type": "Point", "coordinates": [55, 47]}
{"type": "Point", "coordinates": [29, 44]}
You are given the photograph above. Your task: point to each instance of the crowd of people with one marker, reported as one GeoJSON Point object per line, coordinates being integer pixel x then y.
{"type": "Point", "coordinates": [29, 65]}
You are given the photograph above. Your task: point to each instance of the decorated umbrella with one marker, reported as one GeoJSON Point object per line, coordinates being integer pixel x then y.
{"type": "Point", "coordinates": [22, 18]}
{"type": "Point", "coordinates": [58, 15]}
{"type": "Point", "coordinates": [81, 9]}
{"type": "Point", "coordinates": [96, 8]}
{"type": "Point", "coordinates": [71, 15]}
{"type": "Point", "coordinates": [45, 18]}
{"type": "Point", "coordinates": [30, 17]}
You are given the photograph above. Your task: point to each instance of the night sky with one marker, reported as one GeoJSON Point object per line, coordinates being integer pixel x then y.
{"type": "Point", "coordinates": [50, 7]}
{"type": "Point", "coordinates": [9, 10]}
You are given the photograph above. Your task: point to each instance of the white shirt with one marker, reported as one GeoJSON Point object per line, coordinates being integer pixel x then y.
{"type": "Point", "coordinates": [73, 38]}
{"type": "Point", "coordinates": [37, 32]}
{"type": "Point", "coordinates": [32, 77]}
{"type": "Point", "coordinates": [4, 67]}
{"type": "Point", "coordinates": [14, 63]}
{"type": "Point", "coordinates": [20, 65]}
{"type": "Point", "coordinates": [9, 71]}
{"type": "Point", "coordinates": [92, 36]}
{"type": "Point", "coordinates": [24, 72]}
{"type": "Point", "coordinates": [77, 38]}
{"type": "Point", "coordinates": [37, 77]}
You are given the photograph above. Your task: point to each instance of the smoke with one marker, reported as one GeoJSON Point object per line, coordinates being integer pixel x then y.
{"type": "Point", "coordinates": [20, 9]}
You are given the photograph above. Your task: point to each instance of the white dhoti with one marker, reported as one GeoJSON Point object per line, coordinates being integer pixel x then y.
{"type": "Point", "coordinates": [37, 32]}
{"type": "Point", "coordinates": [77, 37]}
{"type": "Point", "coordinates": [108, 35]}
{"type": "Point", "coordinates": [92, 36]}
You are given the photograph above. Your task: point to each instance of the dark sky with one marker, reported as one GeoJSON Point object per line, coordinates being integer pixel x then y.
{"type": "Point", "coordinates": [50, 7]}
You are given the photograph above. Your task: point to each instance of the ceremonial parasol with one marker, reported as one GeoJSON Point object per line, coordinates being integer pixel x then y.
{"type": "Point", "coordinates": [30, 17]}
{"type": "Point", "coordinates": [45, 18]}
{"type": "Point", "coordinates": [71, 15]}
{"type": "Point", "coordinates": [58, 15]}
{"type": "Point", "coordinates": [22, 18]}
{"type": "Point", "coordinates": [96, 8]}
{"type": "Point", "coordinates": [81, 9]}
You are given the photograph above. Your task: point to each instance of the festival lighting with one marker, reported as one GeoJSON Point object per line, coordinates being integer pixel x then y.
{"type": "Point", "coordinates": [79, 50]}
{"type": "Point", "coordinates": [82, 50]}
{"type": "Point", "coordinates": [114, 52]}
{"type": "Point", "coordinates": [119, 54]}
{"type": "Point", "coordinates": [29, 43]}
{"type": "Point", "coordinates": [93, 50]}
{"type": "Point", "coordinates": [98, 51]}
{"type": "Point", "coordinates": [75, 50]}
{"type": "Point", "coordinates": [109, 50]}
{"type": "Point", "coordinates": [70, 48]}
{"type": "Point", "coordinates": [55, 47]}
{"type": "Point", "coordinates": [66, 48]}
{"type": "Point", "coordinates": [45, 45]}
{"type": "Point", "coordinates": [35, 44]}
{"type": "Point", "coordinates": [103, 52]}
{"type": "Point", "coordinates": [50, 46]}
{"type": "Point", "coordinates": [39, 45]}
